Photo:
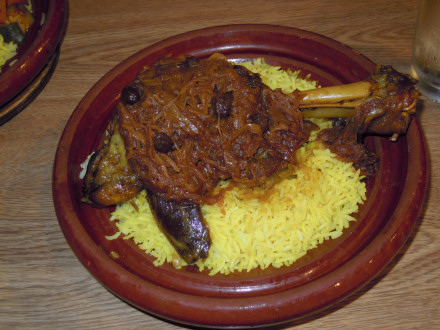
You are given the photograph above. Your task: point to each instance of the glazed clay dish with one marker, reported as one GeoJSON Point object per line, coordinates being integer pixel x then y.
{"type": "Point", "coordinates": [324, 276]}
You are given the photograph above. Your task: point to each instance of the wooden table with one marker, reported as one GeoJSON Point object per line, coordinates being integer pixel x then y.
{"type": "Point", "coordinates": [43, 285]}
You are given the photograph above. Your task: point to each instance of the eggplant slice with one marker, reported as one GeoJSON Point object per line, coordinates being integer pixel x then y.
{"type": "Point", "coordinates": [184, 226]}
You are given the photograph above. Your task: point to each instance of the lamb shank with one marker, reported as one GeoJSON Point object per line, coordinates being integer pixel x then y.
{"type": "Point", "coordinates": [186, 123]}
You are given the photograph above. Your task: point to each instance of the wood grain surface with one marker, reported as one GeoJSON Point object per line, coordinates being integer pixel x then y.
{"type": "Point", "coordinates": [43, 285]}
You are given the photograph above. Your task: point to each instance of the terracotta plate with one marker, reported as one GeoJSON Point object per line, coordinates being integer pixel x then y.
{"type": "Point", "coordinates": [325, 275]}
{"type": "Point", "coordinates": [36, 58]}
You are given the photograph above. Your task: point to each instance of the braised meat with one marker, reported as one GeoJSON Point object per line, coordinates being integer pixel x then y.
{"type": "Point", "coordinates": [188, 123]}
{"type": "Point", "coordinates": [385, 104]}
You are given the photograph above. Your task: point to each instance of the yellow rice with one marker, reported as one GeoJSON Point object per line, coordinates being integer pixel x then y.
{"type": "Point", "coordinates": [302, 211]}
{"type": "Point", "coordinates": [7, 50]}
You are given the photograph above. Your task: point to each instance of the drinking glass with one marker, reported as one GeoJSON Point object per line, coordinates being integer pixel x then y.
{"type": "Point", "coordinates": [426, 51]}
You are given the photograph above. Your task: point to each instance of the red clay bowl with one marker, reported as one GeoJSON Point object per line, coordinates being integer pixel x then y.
{"type": "Point", "coordinates": [36, 58]}
{"type": "Point", "coordinates": [325, 275]}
